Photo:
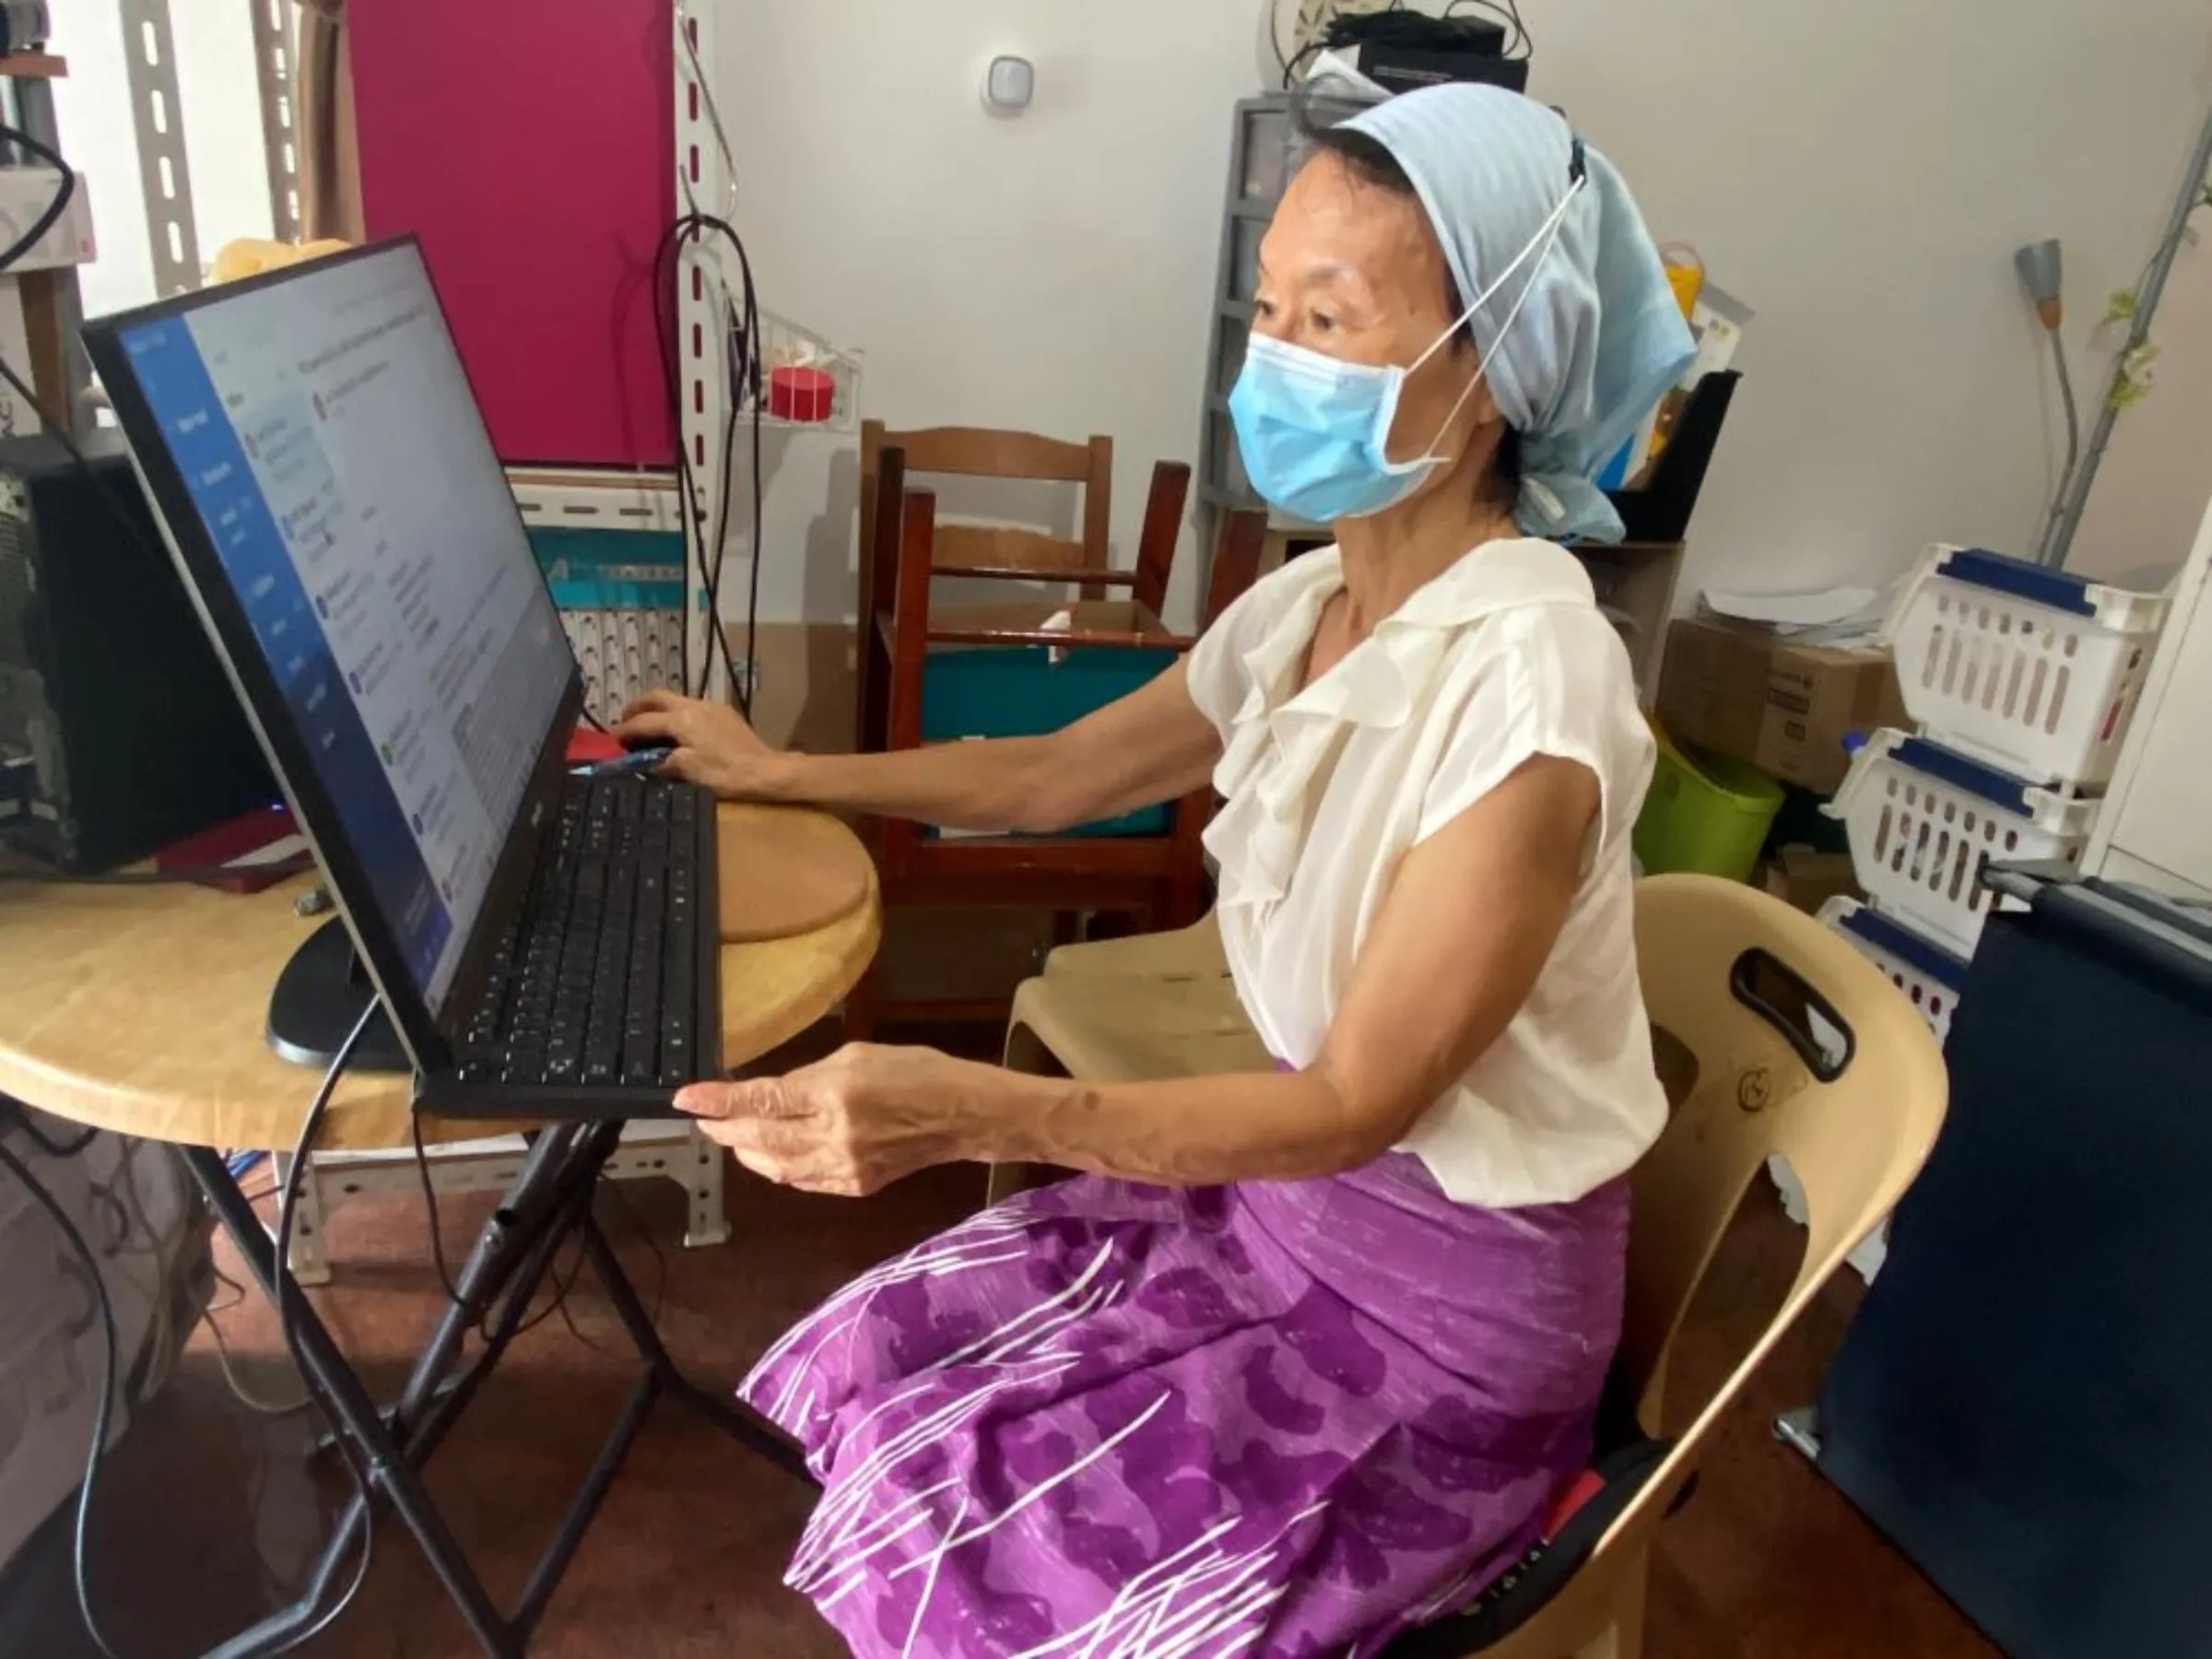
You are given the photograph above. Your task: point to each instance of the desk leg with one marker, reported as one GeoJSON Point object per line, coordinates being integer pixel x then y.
{"type": "Point", "coordinates": [549, 1202]}
{"type": "Point", "coordinates": [338, 1390]}
{"type": "Point", "coordinates": [739, 1422]}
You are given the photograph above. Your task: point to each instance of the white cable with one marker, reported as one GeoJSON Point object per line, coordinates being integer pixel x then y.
{"type": "Point", "coordinates": [238, 1391]}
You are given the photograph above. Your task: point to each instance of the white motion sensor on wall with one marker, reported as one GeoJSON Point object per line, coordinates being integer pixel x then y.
{"type": "Point", "coordinates": [1009, 85]}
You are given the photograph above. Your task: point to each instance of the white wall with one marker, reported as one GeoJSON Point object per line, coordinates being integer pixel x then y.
{"type": "Point", "coordinates": [1049, 272]}
{"type": "Point", "coordinates": [2149, 496]}
{"type": "Point", "coordinates": [218, 91]}
{"type": "Point", "coordinates": [1860, 174]}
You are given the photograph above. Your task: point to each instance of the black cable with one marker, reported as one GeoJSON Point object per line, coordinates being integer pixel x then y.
{"type": "Point", "coordinates": [110, 1363]}
{"type": "Point", "coordinates": [747, 382]}
{"type": "Point", "coordinates": [21, 1114]}
{"type": "Point", "coordinates": [430, 1200]}
{"type": "Point", "coordinates": [749, 376]}
{"type": "Point", "coordinates": [445, 1278]}
{"type": "Point", "coordinates": [667, 272]}
{"type": "Point", "coordinates": [561, 1286]}
{"type": "Point", "coordinates": [301, 1150]}
{"type": "Point", "coordinates": [55, 209]}
{"type": "Point", "coordinates": [743, 379]}
{"type": "Point", "coordinates": [660, 1256]}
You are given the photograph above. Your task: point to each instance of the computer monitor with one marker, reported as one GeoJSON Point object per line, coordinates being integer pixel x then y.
{"type": "Point", "coordinates": [332, 495]}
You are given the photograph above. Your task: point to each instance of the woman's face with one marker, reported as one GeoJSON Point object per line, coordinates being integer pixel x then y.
{"type": "Point", "coordinates": [1351, 269]}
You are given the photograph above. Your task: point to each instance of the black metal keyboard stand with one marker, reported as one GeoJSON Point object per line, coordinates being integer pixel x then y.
{"type": "Point", "coordinates": [548, 1204]}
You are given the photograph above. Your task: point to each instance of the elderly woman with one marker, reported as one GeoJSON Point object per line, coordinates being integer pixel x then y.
{"type": "Point", "coordinates": [1297, 1359]}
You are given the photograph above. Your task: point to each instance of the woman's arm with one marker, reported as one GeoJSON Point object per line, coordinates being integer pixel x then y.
{"type": "Point", "coordinates": [1149, 747]}
{"type": "Point", "coordinates": [1452, 953]}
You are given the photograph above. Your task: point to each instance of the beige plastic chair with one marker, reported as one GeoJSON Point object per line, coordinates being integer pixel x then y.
{"type": "Point", "coordinates": [1742, 1091]}
{"type": "Point", "coordinates": [1125, 1010]}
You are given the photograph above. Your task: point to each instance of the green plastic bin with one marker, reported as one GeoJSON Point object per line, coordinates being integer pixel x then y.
{"type": "Point", "coordinates": [1705, 813]}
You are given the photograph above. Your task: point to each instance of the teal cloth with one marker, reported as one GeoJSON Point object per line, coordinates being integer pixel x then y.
{"type": "Point", "coordinates": [1598, 336]}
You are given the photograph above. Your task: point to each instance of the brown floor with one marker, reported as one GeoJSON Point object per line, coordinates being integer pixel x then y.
{"type": "Point", "coordinates": [208, 1510]}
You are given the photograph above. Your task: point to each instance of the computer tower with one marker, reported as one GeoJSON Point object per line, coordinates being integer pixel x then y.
{"type": "Point", "coordinates": [120, 733]}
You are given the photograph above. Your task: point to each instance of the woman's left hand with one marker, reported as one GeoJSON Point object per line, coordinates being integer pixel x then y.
{"type": "Point", "coordinates": [850, 1124]}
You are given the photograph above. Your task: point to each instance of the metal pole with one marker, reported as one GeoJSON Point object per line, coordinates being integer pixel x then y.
{"type": "Point", "coordinates": [2146, 303]}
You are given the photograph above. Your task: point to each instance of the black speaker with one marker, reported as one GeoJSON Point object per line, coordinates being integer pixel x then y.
{"type": "Point", "coordinates": [118, 730]}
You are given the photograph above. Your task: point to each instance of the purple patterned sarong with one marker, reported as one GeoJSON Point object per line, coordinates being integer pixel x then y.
{"type": "Point", "coordinates": [1279, 1418]}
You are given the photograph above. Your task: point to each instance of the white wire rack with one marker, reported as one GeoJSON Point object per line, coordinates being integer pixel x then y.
{"type": "Point", "coordinates": [708, 316]}
{"type": "Point", "coordinates": [805, 380]}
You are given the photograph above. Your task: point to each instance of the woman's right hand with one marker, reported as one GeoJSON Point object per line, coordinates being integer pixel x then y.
{"type": "Point", "coordinates": [712, 743]}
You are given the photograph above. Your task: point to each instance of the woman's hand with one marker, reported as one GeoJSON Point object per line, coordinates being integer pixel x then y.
{"type": "Point", "coordinates": [849, 1126]}
{"type": "Point", "coordinates": [711, 742]}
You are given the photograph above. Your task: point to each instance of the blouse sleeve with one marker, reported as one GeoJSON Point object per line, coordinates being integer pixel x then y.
{"type": "Point", "coordinates": [1555, 680]}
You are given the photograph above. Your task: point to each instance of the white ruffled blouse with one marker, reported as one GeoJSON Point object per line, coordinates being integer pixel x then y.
{"type": "Point", "coordinates": [1503, 656]}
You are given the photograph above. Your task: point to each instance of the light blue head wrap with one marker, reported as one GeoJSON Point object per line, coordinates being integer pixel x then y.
{"type": "Point", "coordinates": [1599, 335]}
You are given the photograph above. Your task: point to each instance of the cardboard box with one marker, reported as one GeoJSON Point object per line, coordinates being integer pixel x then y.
{"type": "Point", "coordinates": [1806, 880]}
{"type": "Point", "coordinates": [1750, 695]}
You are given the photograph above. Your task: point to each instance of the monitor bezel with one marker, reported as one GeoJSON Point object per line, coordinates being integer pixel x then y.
{"type": "Point", "coordinates": [431, 1039]}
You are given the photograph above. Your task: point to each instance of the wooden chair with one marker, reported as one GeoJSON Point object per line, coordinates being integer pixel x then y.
{"type": "Point", "coordinates": [1728, 975]}
{"type": "Point", "coordinates": [1159, 878]}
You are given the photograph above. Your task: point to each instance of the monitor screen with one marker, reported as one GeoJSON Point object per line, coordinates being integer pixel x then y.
{"type": "Point", "coordinates": [326, 435]}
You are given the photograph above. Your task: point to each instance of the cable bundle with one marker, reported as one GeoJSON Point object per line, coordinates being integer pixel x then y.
{"type": "Point", "coordinates": [1412, 30]}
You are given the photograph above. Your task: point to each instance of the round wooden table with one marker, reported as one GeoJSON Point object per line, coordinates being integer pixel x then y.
{"type": "Point", "coordinates": [140, 1008]}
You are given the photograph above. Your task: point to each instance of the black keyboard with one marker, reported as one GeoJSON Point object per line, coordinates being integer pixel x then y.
{"type": "Point", "coordinates": [597, 983]}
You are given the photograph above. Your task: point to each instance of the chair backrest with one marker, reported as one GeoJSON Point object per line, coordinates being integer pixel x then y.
{"type": "Point", "coordinates": [1851, 1093]}
{"type": "Point", "coordinates": [1726, 968]}
{"type": "Point", "coordinates": [989, 452]}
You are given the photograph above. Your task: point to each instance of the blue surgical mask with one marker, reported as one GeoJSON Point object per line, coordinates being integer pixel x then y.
{"type": "Point", "coordinates": [1314, 431]}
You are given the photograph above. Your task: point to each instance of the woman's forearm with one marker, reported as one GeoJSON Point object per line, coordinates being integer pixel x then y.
{"type": "Point", "coordinates": [1001, 785]}
{"type": "Point", "coordinates": [1183, 1132]}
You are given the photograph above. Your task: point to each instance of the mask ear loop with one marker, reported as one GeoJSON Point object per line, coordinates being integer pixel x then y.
{"type": "Point", "coordinates": [1539, 244]}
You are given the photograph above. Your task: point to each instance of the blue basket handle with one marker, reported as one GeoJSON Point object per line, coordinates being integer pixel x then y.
{"type": "Point", "coordinates": [2004, 574]}
{"type": "Point", "coordinates": [2000, 789]}
{"type": "Point", "coordinates": [1905, 944]}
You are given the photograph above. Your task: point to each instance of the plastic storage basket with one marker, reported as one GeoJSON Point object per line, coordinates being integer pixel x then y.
{"type": "Point", "coordinates": [1923, 819]}
{"type": "Point", "coordinates": [1932, 976]}
{"type": "Point", "coordinates": [1704, 813]}
{"type": "Point", "coordinates": [2030, 669]}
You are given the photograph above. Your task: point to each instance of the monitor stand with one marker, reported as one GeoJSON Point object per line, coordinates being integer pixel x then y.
{"type": "Point", "coordinates": [318, 997]}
